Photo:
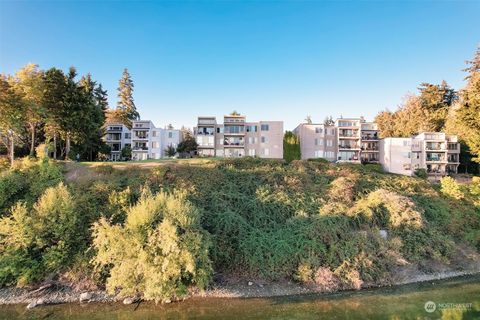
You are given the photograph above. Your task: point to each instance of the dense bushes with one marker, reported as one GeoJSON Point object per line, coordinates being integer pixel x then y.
{"type": "Point", "coordinates": [27, 181]}
{"type": "Point", "coordinates": [159, 251]}
{"type": "Point", "coordinates": [307, 220]}
{"type": "Point", "coordinates": [38, 241]}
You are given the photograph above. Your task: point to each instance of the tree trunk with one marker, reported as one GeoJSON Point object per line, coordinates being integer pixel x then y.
{"type": "Point", "coordinates": [67, 146]}
{"type": "Point", "coordinates": [32, 146]}
{"type": "Point", "coordinates": [55, 146]}
{"type": "Point", "coordinates": [12, 151]}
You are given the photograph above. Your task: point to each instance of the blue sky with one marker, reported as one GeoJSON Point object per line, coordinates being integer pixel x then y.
{"type": "Point", "coordinates": [269, 60]}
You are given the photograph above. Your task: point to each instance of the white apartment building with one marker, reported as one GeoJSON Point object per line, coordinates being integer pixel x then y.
{"type": "Point", "coordinates": [347, 140]}
{"type": "Point", "coordinates": [150, 142]}
{"type": "Point", "coordinates": [117, 136]}
{"type": "Point", "coordinates": [435, 152]}
{"type": "Point", "coordinates": [238, 138]}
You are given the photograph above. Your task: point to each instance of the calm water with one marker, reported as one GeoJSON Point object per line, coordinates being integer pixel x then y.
{"type": "Point", "coordinates": [454, 299]}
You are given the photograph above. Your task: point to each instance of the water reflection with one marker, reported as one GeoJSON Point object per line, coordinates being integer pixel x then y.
{"type": "Point", "coordinates": [405, 302]}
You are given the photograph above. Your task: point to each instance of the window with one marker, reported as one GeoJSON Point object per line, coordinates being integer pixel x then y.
{"type": "Point", "coordinates": [406, 143]}
{"type": "Point", "coordinates": [319, 154]}
{"type": "Point", "coordinates": [128, 135]}
{"type": "Point", "coordinates": [318, 130]}
{"type": "Point", "coordinates": [329, 143]}
{"type": "Point", "coordinates": [252, 128]}
{"type": "Point", "coordinates": [155, 144]}
{"type": "Point", "coordinates": [264, 127]}
{"type": "Point", "coordinates": [406, 155]}
{"type": "Point", "coordinates": [264, 139]}
{"type": "Point", "coordinates": [170, 134]}
{"type": "Point", "coordinates": [251, 152]}
{"type": "Point", "coordinates": [329, 154]}
{"type": "Point", "coordinates": [154, 133]}
{"type": "Point", "coordinates": [266, 152]}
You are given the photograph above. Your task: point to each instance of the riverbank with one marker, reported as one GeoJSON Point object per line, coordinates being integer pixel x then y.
{"type": "Point", "coordinates": [226, 287]}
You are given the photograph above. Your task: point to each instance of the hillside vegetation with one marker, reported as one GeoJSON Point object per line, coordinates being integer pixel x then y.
{"type": "Point", "coordinates": [160, 231]}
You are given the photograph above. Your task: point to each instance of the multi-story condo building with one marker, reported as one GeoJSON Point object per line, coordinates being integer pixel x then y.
{"type": "Point", "coordinates": [238, 138]}
{"type": "Point", "coordinates": [435, 152]}
{"type": "Point", "coordinates": [317, 140]}
{"type": "Point", "coordinates": [150, 142]}
{"type": "Point", "coordinates": [117, 136]}
{"type": "Point", "coordinates": [348, 140]}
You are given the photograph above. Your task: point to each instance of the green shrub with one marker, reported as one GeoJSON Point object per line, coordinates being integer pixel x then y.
{"type": "Point", "coordinates": [159, 251]}
{"type": "Point", "coordinates": [421, 173]}
{"type": "Point", "coordinates": [36, 242]}
{"type": "Point", "coordinates": [451, 188]}
{"type": "Point", "coordinates": [27, 181]}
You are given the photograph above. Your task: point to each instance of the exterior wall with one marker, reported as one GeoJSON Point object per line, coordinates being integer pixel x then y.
{"type": "Point", "coordinates": [349, 140]}
{"type": "Point", "coordinates": [317, 141]}
{"type": "Point", "coordinates": [435, 152]}
{"type": "Point", "coordinates": [117, 136]}
{"type": "Point", "coordinates": [238, 138]}
{"type": "Point", "coordinates": [150, 142]}
{"type": "Point", "coordinates": [395, 155]}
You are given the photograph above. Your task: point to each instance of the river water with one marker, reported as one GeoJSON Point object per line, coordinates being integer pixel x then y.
{"type": "Point", "coordinates": [449, 299]}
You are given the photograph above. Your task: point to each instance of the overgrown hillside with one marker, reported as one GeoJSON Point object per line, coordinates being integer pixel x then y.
{"type": "Point", "coordinates": [161, 230]}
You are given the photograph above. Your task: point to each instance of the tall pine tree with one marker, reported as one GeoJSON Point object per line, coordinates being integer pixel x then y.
{"type": "Point", "coordinates": [125, 103]}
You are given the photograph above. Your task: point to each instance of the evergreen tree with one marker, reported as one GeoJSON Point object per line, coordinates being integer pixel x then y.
{"type": "Point", "coordinates": [55, 84]}
{"type": "Point", "coordinates": [125, 100]}
{"type": "Point", "coordinates": [329, 121]}
{"type": "Point", "coordinates": [291, 147]}
{"type": "Point", "coordinates": [435, 101]}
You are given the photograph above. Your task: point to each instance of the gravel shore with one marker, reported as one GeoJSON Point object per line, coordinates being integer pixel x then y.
{"type": "Point", "coordinates": [223, 288]}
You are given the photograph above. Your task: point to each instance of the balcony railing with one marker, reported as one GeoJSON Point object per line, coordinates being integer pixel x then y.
{"type": "Point", "coordinates": [239, 144]}
{"type": "Point", "coordinates": [348, 147]}
{"type": "Point", "coordinates": [138, 148]}
{"type": "Point", "coordinates": [369, 137]}
{"type": "Point", "coordinates": [348, 135]}
{"type": "Point", "coordinates": [436, 159]}
{"type": "Point", "coordinates": [370, 148]}
{"type": "Point", "coordinates": [435, 148]}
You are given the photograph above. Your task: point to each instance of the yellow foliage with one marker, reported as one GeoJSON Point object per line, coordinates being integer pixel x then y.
{"type": "Point", "coordinates": [159, 252]}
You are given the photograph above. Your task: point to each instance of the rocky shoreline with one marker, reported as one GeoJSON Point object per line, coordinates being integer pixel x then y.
{"type": "Point", "coordinates": [55, 293]}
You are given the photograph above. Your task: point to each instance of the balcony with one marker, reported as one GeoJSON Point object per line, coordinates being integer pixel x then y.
{"type": "Point", "coordinates": [453, 160]}
{"type": "Point", "coordinates": [372, 137]}
{"type": "Point", "coordinates": [369, 148]}
{"type": "Point", "coordinates": [141, 137]}
{"type": "Point", "coordinates": [140, 148]}
{"type": "Point", "coordinates": [435, 147]}
{"type": "Point", "coordinates": [436, 159]}
{"type": "Point", "coordinates": [349, 147]}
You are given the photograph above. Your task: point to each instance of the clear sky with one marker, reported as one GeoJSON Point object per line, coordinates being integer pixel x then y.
{"type": "Point", "coordinates": [268, 60]}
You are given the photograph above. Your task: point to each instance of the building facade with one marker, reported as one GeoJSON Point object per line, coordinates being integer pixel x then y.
{"type": "Point", "coordinates": [117, 136]}
{"type": "Point", "coordinates": [236, 137]}
{"type": "Point", "coordinates": [347, 140]}
{"type": "Point", "coordinates": [436, 152]}
{"type": "Point", "coordinates": [150, 142]}
{"type": "Point", "coordinates": [317, 141]}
